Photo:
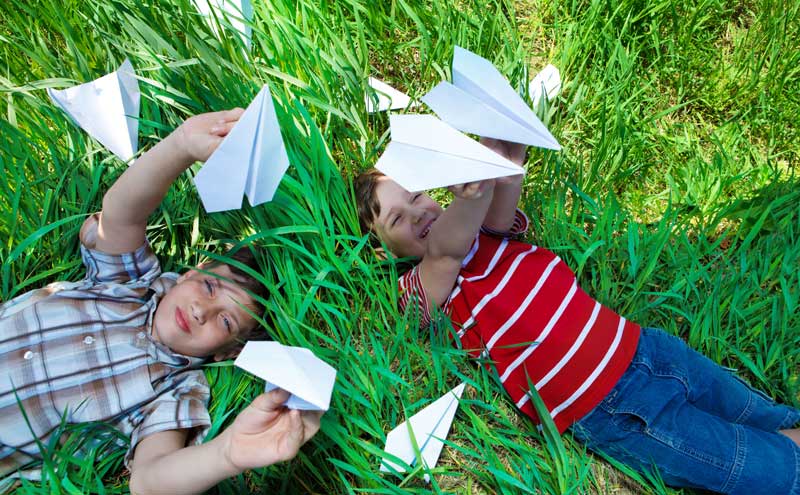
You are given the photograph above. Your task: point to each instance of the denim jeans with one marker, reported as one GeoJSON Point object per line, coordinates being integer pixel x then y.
{"type": "Point", "coordinates": [696, 422]}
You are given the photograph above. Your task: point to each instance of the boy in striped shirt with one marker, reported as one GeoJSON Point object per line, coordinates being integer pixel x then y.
{"type": "Point", "coordinates": [636, 394]}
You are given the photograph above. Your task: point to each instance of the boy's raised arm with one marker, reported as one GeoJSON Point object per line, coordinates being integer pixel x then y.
{"type": "Point", "coordinates": [507, 190]}
{"type": "Point", "coordinates": [139, 191]}
{"type": "Point", "coordinates": [451, 237]}
{"type": "Point", "coordinates": [264, 433]}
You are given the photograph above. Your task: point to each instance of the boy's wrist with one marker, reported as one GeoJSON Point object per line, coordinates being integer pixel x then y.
{"type": "Point", "coordinates": [178, 141]}
{"type": "Point", "coordinates": [223, 448]}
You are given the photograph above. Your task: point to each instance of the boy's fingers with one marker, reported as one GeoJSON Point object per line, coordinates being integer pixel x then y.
{"type": "Point", "coordinates": [271, 401]}
{"type": "Point", "coordinates": [232, 114]}
{"type": "Point", "coordinates": [311, 424]}
{"type": "Point", "coordinates": [223, 129]}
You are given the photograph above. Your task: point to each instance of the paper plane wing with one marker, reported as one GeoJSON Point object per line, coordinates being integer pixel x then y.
{"type": "Point", "coordinates": [251, 159]}
{"type": "Point", "coordinates": [131, 99]}
{"type": "Point", "coordinates": [106, 108]}
{"type": "Point", "coordinates": [479, 78]}
{"type": "Point", "coordinates": [426, 153]}
{"type": "Point", "coordinates": [307, 378]}
{"type": "Point", "coordinates": [429, 426]}
{"type": "Point", "coordinates": [547, 83]}
{"type": "Point", "coordinates": [239, 13]}
{"type": "Point", "coordinates": [469, 114]}
{"type": "Point", "coordinates": [388, 97]}
{"type": "Point", "coordinates": [270, 160]}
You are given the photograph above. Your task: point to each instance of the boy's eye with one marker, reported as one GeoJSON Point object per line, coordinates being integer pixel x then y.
{"type": "Point", "coordinates": [396, 219]}
{"type": "Point", "coordinates": [416, 197]}
{"type": "Point", "coordinates": [209, 286]}
{"type": "Point", "coordinates": [227, 322]}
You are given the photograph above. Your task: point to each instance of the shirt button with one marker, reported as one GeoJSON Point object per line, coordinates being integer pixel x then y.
{"type": "Point", "coordinates": [27, 355]}
{"type": "Point", "coordinates": [140, 335]}
{"type": "Point", "coordinates": [88, 340]}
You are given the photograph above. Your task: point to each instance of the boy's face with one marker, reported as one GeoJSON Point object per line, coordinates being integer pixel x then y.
{"type": "Point", "coordinates": [202, 315]}
{"type": "Point", "coordinates": [405, 218]}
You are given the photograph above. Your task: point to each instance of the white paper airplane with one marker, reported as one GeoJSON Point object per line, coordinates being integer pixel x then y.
{"type": "Point", "coordinates": [239, 13]}
{"type": "Point", "coordinates": [295, 369]}
{"type": "Point", "coordinates": [481, 101]}
{"type": "Point", "coordinates": [106, 108]}
{"type": "Point", "coordinates": [429, 427]}
{"type": "Point", "coordinates": [388, 97]}
{"type": "Point", "coordinates": [546, 83]}
{"type": "Point", "coordinates": [250, 160]}
{"type": "Point", "coordinates": [426, 153]}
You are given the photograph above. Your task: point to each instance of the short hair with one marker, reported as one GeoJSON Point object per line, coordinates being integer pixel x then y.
{"type": "Point", "coordinates": [366, 199]}
{"type": "Point", "coordinates": [246, 255]}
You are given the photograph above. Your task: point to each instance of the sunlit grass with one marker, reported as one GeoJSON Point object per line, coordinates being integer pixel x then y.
{"type": "Point", "coordinates": [674, 200]}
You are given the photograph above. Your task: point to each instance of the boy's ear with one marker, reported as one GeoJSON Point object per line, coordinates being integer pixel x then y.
{"type": "Point", "coordinates": [380, 252]}
{"type": "Point", "coordinates": [228, 352]}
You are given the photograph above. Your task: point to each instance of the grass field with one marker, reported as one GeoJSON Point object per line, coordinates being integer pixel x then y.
{"type": "Point", "coordinates": [675, 200]}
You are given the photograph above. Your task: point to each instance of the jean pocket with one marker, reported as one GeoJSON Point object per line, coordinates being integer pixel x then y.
{"type": "Point", "coordinates": [629, 421]}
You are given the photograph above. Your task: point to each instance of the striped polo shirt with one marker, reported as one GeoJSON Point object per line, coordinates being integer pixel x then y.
{"type": "Point", "coordinates": [522, 305]}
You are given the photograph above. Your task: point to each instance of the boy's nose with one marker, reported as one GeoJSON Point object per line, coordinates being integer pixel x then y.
{"type": "Point", "coordinates": [199, 312]}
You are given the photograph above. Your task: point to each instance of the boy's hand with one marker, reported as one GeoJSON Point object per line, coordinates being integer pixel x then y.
{"type": "Point", "coordinates": [200, 135]}
{"type": "Point", "coordinates": [472, 190]}
{"type": "Point", "coordinates": [266, 432]}
{"type": "Point", "coordinates": [514, 152]}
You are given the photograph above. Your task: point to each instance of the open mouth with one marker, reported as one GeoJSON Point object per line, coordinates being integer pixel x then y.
{"type": "Point", "coordinates": [180, 319]}
{"type": "Point", "coordinates": [426, 230]}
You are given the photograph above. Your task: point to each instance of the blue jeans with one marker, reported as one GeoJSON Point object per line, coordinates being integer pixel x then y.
{"type": "Point", "coordinates": [699, 424]}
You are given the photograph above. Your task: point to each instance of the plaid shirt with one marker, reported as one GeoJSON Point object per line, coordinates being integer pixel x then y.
{"type": "Point", "coordinates": [84, 351]}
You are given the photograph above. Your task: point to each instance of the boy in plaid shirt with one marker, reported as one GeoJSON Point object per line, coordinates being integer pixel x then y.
{"type": "Point", "coordinates": [123, 345]}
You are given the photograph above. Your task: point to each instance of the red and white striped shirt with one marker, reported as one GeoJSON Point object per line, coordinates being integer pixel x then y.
{"type": "Point", "coordinates": [522, 304]}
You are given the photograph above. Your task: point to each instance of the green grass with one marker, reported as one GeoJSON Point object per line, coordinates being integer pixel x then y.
{"type": "Point", "coordinates": [675, 200]}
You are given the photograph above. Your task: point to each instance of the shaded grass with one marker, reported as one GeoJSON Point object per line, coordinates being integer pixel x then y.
{"type": "Point", "coordinates": [674, 200]}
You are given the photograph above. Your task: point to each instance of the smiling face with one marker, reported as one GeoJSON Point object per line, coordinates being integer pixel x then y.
{"type": "Point", "coordinates": [202, 315]}
{"type": "Point", "coordinates": [404, 219]}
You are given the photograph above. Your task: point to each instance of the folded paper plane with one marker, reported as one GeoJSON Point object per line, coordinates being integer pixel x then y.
{"type": "Point", "coordinates": [297, 370]}
{"type": "Point", "coordinates": [238, 13]}
{"type": "Point", "coordinates": [429, 427]}
{"type": "Point", "coordinates": [388, 97]}
{"type": "Point", "coordinates": [547, 83]}
{"type": "Point", "coordinates": [106, 108]}
{"type": "Point", "coordinates": [251, 160]}
{"type": "Point", "coordinates": [481, 101]}
{"type": "Point", "coordinates": [426, 153]}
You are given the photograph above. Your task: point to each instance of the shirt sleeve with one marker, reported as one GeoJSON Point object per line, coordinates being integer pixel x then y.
{"type": "Point", "coordinates": [140, 266]}
{"type": "Point", "coordinates": [413, 297]}
{"type": "Point", "coordinates": [181, 403]}
{"type": "Point", "coordinates": [519, 227]}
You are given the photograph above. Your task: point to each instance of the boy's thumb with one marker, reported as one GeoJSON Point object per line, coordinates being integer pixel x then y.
{"type": "Point", "coordinates": [272, 400]}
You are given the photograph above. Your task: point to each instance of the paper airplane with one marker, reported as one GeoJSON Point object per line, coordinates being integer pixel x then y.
{"type": "Point", "coordinates": [297, 370]}
{"type": "Point", "coordinates": [239, 14]}
{"type": "Point", "coordinates": [251, 160]}
{"type": "Point", "coordinates": [481, 101]}
{"type": "Point", "coordinates": [547, 83]}
{"type": "Point", "coordinates": [388, 97]}
{"type": "Point", "coordinates": [429, 427]}
{"type": "Point", "coordinates": [426, 153]}
{"type": "Point", "coordinates": [106, 108]}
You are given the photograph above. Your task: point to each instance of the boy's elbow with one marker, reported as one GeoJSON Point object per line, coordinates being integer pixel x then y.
{"type": "Point", "coordinates": [135, 483]}
{"type": "Point", "coordinates": [138, 480]}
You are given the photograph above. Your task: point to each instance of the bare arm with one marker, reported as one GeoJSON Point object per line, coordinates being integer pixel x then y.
{"type": "Point", "coordinates": [451, 238]}
{"type": "Point", "coordinates": [139, 191]}
{"type": "Point", "coordinates": [500, 216]}
{"type": "Point", "coordinates": [263, 434]}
